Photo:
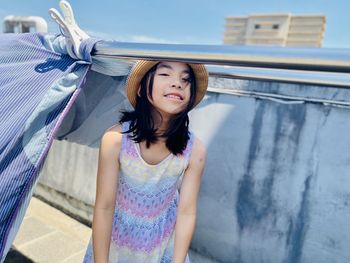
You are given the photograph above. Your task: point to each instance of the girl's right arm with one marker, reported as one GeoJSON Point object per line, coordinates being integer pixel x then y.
{"type": "Point", "coordinates": [106, 188]}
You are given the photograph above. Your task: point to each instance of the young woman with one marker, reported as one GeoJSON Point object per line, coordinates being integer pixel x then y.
{"type": "Point", "coordinates": [149, 169]}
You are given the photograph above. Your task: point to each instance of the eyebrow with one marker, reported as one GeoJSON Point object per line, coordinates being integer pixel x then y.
{"type": "Point", "coordinates": [170, 67]}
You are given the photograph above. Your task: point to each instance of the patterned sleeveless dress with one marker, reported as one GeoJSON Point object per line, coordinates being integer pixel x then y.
{"type": "Point", "coordinates": [144, 220]}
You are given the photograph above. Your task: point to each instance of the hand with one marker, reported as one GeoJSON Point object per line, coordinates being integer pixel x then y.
{"type": "Point", "coordinates": [73, 34]}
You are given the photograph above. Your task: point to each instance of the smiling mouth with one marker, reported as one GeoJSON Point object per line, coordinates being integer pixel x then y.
{"type": "Point", "coordinates": [172, 96]}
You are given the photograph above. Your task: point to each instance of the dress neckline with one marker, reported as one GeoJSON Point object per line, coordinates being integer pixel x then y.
{"type": "Point", "coordinates": [138, 150]}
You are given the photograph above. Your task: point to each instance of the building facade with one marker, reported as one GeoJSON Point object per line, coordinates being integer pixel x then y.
{"type": "Point", "coordinates": [275, 30]}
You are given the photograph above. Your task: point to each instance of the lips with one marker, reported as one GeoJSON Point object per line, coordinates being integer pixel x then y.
{"type": "Point", "coordinates": [174, 95]}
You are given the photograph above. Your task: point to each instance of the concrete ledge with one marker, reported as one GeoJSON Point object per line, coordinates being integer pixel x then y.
{"type": "Point", "coordinates": [69, 205]}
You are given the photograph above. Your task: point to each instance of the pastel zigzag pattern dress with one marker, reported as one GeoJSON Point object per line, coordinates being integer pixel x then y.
{"type": "Point", "coordinates": [146, 205]}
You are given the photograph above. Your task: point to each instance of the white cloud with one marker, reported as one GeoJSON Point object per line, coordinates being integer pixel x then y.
{"type": "Point", "coordinates": [141, 38]}
{"type": "Point", "coordinates": [129, 38]}
{"type": "Point", "coordinates": [102, 35]}
{"type": "Point", "coordinates": [150, 39]}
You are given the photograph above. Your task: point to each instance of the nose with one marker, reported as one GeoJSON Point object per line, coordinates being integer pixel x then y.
{"type": "Point", "coordinates": [176, 83]}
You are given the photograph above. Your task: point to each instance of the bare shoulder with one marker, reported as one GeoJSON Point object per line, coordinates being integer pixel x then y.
{"type": "Point", "coordinates": [111, 139]}
{"type": "Point", "coordinates": [115, 128]}
{"type": "Point", "coordinates": [199, 152]}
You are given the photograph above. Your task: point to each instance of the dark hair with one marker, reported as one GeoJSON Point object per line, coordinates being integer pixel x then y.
{"type": "Point", "coordinates": [142, 123]}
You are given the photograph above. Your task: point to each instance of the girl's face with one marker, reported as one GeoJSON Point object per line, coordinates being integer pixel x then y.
{"type": "Point", "coordinates": [171, 88]}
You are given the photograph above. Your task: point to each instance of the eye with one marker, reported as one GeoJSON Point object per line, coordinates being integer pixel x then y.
{"type": "Point", "coordinates": [163, 74]}
{"type": "Point", "coordinates": [186, 79]}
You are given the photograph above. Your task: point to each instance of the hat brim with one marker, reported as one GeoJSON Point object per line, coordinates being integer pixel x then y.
{"type": "Point", "coordinates": [141, 67]}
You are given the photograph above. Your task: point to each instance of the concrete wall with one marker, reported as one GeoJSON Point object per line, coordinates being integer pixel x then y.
{"type": "Point", "coordinates": [276, 184]}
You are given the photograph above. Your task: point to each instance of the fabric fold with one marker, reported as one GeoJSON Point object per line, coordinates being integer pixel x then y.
{"type": "Point", "coordinates": [39, 83]}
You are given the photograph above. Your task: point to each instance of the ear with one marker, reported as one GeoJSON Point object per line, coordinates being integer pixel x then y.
{"type": "Point", "coordinates": [139, 91]}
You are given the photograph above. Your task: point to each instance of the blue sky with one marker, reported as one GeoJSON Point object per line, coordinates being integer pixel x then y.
{"type": "Point", "coordinates": [181, 21]}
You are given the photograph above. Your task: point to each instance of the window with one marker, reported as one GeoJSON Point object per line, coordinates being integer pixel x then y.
{"type": "Point", "coordinates": [275, 26]}
{"type": "Point", "coordinates": [257, 26]}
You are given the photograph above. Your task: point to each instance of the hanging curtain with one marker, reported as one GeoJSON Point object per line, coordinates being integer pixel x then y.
{"type": "Point", "coordinates": [39, 82]}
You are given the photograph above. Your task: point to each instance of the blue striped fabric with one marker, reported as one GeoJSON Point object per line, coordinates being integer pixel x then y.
{"type": "Point", "coordinates": [38, 84]}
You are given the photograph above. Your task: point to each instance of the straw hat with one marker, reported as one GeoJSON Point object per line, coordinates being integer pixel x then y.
{"type": "Point", "coordinates": [141, 67]}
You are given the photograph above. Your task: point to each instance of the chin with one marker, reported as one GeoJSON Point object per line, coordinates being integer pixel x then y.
{"type": "Point", "coordinates": [172, 111]}
{"type": "Point", "coordinates": [169, 110]}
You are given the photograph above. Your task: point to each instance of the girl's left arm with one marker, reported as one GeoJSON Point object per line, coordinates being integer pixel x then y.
{"type": "Point", "coordinates": [186, 211]}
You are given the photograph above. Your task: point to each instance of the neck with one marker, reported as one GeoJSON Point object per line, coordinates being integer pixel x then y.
{"type": "Point", "coordinates": [161, 123]}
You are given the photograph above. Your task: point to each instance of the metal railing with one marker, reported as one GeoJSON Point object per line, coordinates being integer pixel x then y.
{"type": "Point", "coordinates": [316, 66]}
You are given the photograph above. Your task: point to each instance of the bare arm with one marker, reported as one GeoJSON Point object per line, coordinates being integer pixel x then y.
{"type": "Point", "coordinates": [106, 186]}
{"type": "Point", "coordinates": [186, 211]}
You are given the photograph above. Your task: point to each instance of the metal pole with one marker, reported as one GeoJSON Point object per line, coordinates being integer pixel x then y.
{"type": "Point", "coordinates": [312, 66]}
{"type": "Point", "coordinates": [313, 59]}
